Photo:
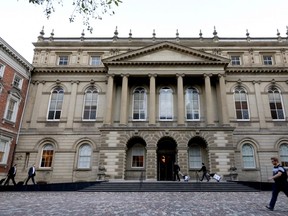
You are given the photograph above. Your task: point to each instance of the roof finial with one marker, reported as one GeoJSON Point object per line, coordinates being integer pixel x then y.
{"type": "Point", "coordinates": [200, 34]}
{"type": "Point", "coordinates": [154, 34]}
{"type": "Point", "coordinates": [52, 35]}
{"type": "Point", "coordinates": [287, 31]}
{"type": "Point", "coordinates": [115, 34]}
{"type": "Point", "coordinates": [42, 31]}
{"type": "Point", "coordinates": [40, 37]}
{"type": "Point", "coordinates": [130, 34]}
{"type": "Point", "coordinates": [82, 35]}
{"type": "Point", "coordinates": [177, 33]}
{"type": "Point", "coordinates": [215, 32]}
{"type": "Point", "coordinates": [247, 35]}
{"type": "Point", "coordinates": [215, 38]}
{"type": "Point", "coordinates": [279, 36]}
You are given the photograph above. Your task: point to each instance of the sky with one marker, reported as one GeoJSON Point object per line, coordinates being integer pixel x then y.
{"type": "Point", "coordinates": [21, 21]}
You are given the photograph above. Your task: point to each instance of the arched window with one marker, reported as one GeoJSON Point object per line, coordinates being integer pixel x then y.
{"type": "Point", "coordinates": [138, 152]}
{"type": "Point", "coordinates": [248, 156]}
{"type": "Point", "coordinates": [241, 104]}
{"type": "Point", "coordinates": [192, 104]}
{"type": "Point", "coordinates": [47, 155]}
{"type": "Point", "coordinates": [90, 104]}
{"type": "Point", "coordinates": [139, 104]}
{"type": "Point", "coordinates": [275, 101]}
{"type": "Point", "coordinates": [284, 154]}
{"type": "Point", "coordinates": [166, 104]}
{"type": "Point", "coordinates": [195, 158]}
{"type": "Point", "coordinates": [56, 102]}
{"type": "Point", "coordinates": [84, 157]}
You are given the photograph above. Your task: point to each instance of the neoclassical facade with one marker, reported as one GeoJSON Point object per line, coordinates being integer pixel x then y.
{"type": "Point", "coordinates": [135, 106]}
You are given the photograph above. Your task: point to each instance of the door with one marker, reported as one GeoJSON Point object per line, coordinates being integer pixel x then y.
{"type": "Point", "coordinates": [165, 166]}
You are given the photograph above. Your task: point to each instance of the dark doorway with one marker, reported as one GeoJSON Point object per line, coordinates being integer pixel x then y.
{"type": "Point", "coordinates": [166, 155]}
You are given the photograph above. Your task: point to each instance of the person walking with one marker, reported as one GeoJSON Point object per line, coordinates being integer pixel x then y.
{"type": "Point", "coordinates": [11, 175]}
{"type": "Point", "coordinates": [280, 182]}
{"type": "Point", "coordinates": [176, 172]}
{"type": "Point", "coordinates": [205, 174]}
{"type": "Point", "coordinates": [31, 174]}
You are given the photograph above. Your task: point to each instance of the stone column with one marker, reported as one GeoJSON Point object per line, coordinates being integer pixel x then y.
{"type": "Point", "coordinates": [152, 101]}
{"type": "Point", "coordinates": [37, 104]}
{"type": "Point", "coordinates": [180, 95]}
{"type": "Point", "coordinates": [124, 99]}
{"type": "Point", "coordinates": [224, 107]}
{"type": "Point", "coordinates": [72, 104]}
{"type": "Point", "coordinates": [259, 104]}
{"type": "Point", "coordinates": [109, 98]}
{"type": "Point", "coordinates": [208, 94]}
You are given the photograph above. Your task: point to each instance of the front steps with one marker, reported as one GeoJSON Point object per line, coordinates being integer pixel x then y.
{"type": "Point", "coordinates": [168, 187]}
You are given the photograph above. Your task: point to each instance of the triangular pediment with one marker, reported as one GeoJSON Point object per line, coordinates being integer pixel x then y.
{"type": "Point", "coordinates": [166, 52]}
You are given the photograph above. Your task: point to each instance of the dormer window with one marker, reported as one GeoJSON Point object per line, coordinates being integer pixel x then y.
{"type": "Point", "coordinates": [63, 60]}
{"type": "Point", "coordinates": [17, 82]}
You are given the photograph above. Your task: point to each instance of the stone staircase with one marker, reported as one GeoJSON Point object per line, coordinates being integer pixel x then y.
{"type": "Point", "coordinates": [168, 187]}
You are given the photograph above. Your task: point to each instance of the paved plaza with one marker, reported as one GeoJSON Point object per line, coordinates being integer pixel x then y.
{"type": "Point", "coordinates": [140, 203]}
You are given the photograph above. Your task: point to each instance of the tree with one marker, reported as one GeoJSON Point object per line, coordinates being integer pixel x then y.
{"type": "Point", "coordinates": [88, 9]}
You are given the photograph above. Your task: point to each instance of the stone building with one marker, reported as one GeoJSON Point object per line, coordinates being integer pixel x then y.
{"type": "Point", "coordinates": [135, 106]}
{"type": "Point", "coordinates": [15, 73]}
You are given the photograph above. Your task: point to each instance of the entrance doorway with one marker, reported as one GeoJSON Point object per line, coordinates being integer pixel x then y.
{"type": "Point", "coordinates": [166, 157]}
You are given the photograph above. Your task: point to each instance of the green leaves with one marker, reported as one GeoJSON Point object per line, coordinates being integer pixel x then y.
{"type": "Point", "coordinates": [86, 8]}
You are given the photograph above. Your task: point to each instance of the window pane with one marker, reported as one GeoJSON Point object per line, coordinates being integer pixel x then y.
{"type": "Point", "coordinates": [139, 104]}
{"type": "Point", "coordinates": [275, 102]}
{"type": "Point", "coordinates": [138, 156]}
{"type": "Point", "coordinates": [84, 159]}
{"type": "Point", "coordinates": [248, 156]}
{"type": "Point", "coordinates": [195, 159]}
{"type": "Point", "coordinates": [192, 104]}
{"type": "Point", "coordinates": [47, 156]}
{"type": "Point", "coordinates": [56, 102]}
{"type": "Point", "coordinates": [90, 108]}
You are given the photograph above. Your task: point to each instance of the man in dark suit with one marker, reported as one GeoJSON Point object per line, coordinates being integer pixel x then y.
{"type": "Point", "coordinates": [11, 175]}
{"type": "Point", "coordinates": [31, 174]}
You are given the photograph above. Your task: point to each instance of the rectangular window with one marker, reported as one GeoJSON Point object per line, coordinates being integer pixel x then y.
{"type": "Point", "coordinates": [2, 67]}
{"type": "Point", "coordinates": [11, 110]}
{"type": "Point", "coordinates": [235, 60]}
{"type": "Point", "coordinates": [95, 60]}
{"type": "Point", "coordinates": [138, 157]}
{"type": "Point", "coordinates": [47, 157]}
{"type": "Point", "coordinates": [4, 150]}
{"type": "Point", "coordinates": [17, 82]}
{"type": "Point", "coordinates": [195, 159]}
{"type": "Point", "coordinates": [63, 60]}
{"type": "Point", "coordinates": [267, 60]}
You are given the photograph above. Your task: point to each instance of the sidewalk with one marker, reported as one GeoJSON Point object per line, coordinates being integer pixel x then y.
{"type": "Point", "coordinates": [139, 204]}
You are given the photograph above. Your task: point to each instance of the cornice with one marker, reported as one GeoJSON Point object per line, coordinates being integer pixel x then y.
{"type": "Point", "coordinates": [257, 70]}
{"type": "Point", "coordinates": [69, 70]}
{"type": "Point", "coordinates": [167, 63]}
{"type": "Point", "coordinates": [15, 55]}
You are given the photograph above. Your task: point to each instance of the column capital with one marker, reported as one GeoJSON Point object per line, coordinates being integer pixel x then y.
{"type": "Point", "coordinates": [207, 75]}
{"type": "Point", "coordinates": [221, 75]}
{"type": "Point", "coordinates": [152, 75]}
{"type": "Point", "coordinates": [125, 75]}
{"type": "Point", "coordinates": [180, 75]}
{"type": "Point", "coordinates": [110, 75]}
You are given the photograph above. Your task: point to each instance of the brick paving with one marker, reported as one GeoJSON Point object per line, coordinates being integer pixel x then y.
{"type": "Point", "coordinates": [140, 203]}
